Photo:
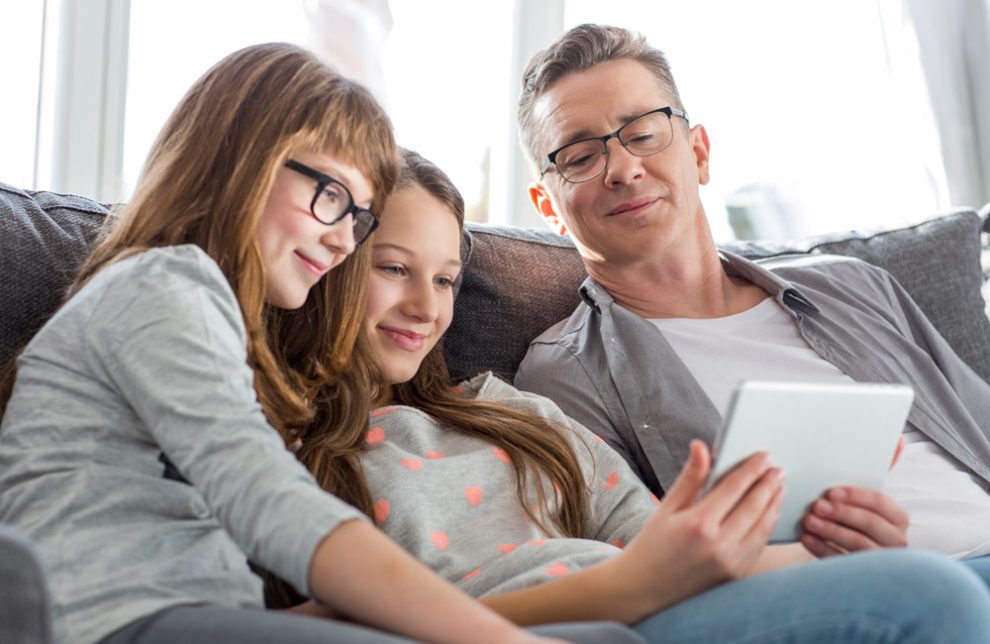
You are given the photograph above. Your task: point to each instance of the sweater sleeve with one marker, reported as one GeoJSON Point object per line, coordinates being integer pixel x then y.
{"type": "Point", "coordinates": [171, 337]}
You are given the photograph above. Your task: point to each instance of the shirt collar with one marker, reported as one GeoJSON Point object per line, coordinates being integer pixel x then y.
{"type": "Point", "coordinates": [784, 292]}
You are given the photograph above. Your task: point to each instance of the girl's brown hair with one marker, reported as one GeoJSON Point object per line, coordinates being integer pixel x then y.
{"type": "Point", "coordinates": [206, 182]}
{"type": "Point", "coordinates": [537, 447]}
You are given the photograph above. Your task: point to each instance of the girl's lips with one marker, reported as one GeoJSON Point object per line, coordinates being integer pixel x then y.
{"type": "Point", "coordinates": [406, 340]}
{"type": "Point", "coordinates": [633, 207]}
{"type": "Point", "coordinates": [312, 266]}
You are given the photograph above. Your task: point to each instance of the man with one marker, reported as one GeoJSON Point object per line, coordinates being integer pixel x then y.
{"type": "Point", "coordinates": [669, 325]}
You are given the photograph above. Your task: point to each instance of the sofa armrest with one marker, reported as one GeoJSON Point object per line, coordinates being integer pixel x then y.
{"type": "Point", "coordinates": [25, 613]}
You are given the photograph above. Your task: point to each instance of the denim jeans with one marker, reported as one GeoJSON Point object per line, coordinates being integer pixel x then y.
{"type": "Point", "coordinates": [981, 566]}
{"type": "Point", "coordinates": [877, 597]}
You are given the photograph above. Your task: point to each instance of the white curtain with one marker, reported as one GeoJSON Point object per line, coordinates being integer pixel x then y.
{"type": "Point", "coordinates": [953, 39]}
{"type": "Point", "coordinates": [349, 34]}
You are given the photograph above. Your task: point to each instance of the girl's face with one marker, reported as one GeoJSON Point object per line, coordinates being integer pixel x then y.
{"type": "Point", "coordinates": [415, 260]}
{"type": "Point", "coordinates": [296, 248]}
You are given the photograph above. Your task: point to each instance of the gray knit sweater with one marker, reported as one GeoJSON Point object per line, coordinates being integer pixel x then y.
{"type": "Point", "coordinates": [135, 454]}
{"type": "Point", "coordinates": [451, 500]}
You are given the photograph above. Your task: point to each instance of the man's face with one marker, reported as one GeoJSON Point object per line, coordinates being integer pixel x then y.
{"type": "Point", "coordinates": [619, 216]}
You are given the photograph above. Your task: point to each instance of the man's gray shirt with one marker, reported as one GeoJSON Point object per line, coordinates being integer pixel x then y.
{"type": "Point", "coordinates": [615, 373]}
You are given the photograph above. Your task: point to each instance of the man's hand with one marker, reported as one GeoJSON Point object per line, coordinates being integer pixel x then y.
{"type": "Point", "coordinates": [850, 519]}
{"type": "Point", "coordinates": [847, 519]}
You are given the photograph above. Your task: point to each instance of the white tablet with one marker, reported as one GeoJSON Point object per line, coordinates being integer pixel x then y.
{"type": "Point", "coordinates": [821, 435]}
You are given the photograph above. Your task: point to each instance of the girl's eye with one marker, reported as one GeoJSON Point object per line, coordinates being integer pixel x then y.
{"type": "Point", "coordinates": [444, 282]}
{"type": "Point", "coordinates": [392, 269]}
{"type": "Point", "coordinates": [332, 195]}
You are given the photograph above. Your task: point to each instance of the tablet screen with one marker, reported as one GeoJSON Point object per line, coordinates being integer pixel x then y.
{"type": "Point", "coordinates": [821, 435]}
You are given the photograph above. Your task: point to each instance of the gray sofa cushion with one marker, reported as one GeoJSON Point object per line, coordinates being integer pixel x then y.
{"type": "Point", "coordinates": [44, 238]}
{"type": "Point", "coordinates": [25, 613]}
{"type": "Point", "coordinates": [520, 282]}
{"type": "Point", "coordinates": [517, 282]}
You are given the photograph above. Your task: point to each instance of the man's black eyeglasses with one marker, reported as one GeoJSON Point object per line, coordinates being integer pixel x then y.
{"type": "Point", "coordinates": [644, 135]}
{"type": "Point", "coordinates": [332, 201]}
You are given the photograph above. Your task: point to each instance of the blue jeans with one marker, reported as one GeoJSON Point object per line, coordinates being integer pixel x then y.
{"type": "Point", "coordinates": [981, 566]}
{"type": "Point", "coordinates": [876, 597]}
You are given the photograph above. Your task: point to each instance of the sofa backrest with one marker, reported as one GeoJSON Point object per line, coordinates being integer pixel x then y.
{"type": "Point", "coordinates": [516, 283]}
{"type": "Point", "coordinates": [44, 238]}
{"type": "Point", "coordinates": [520, 282]}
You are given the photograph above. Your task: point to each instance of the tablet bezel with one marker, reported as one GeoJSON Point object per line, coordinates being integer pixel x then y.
{"type": "Point", "coordinates": [821, 434]}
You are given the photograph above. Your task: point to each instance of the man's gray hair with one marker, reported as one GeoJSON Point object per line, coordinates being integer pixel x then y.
{"type": "Point", "coordinates": [579, 49]}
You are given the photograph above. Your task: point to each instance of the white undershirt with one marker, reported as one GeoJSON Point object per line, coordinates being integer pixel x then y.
{"type": "Point", "coordinates": [948, 505]}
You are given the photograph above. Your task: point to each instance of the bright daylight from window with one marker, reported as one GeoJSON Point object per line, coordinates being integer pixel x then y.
{"type": "Point", "coordinates": [817, 112]}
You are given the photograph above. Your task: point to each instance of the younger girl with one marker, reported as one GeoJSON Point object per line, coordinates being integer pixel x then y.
{"type": "Point", "coordinates": [503, 495]}
{"type": "Point", "coordinates": [143, 444]}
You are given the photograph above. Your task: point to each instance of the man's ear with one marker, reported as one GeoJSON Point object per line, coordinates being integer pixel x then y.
{"type": "Point", "coordinates": [544, 206]}
{"type": "Point", "coordinates": [701, 148]}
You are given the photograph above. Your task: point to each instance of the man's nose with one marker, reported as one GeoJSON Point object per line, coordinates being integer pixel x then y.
{"type": "Point", "coordinates": [622, 166]}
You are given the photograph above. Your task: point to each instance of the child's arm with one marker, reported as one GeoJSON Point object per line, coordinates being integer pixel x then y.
{"type": "Point", "coordinates": [360, 572]}
{"type": "Point", "coordinates": [686, 547]}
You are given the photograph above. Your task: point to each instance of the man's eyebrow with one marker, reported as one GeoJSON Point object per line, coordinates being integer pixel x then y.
{"type": "Point", "coordinates": [585, 133]}
{"type": "Point", "coordinates": [574, 137]}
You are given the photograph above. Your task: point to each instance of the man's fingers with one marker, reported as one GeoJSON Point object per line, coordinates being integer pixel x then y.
{"type": "Point", "coordinates": [818, 547]}
{"type": "Point", "coordinates": [854, 528]}
{"type": "Point", "coordinates": [691, 479]}
{"type": "Point", "coordinates": [872, 501]}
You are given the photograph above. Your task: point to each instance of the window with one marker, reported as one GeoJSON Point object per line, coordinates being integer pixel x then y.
{"type": "Point", "coordinates": [169, 50]}
{"type": "Point", "coordinates": [818, 116]}
{"type": "Point", "coordinates": [446, 89]}
{"type": "Point", "coordinates": [447, 77]}
{"type": "Point", "coordinates": [810, 131]}
{"type": "Point", "coordinates": [20, 51]}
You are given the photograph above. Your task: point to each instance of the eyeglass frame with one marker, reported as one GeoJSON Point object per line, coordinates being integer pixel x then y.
{"type": "Point", "coordinates": [551, 159]}
{"type": "Point", "coordinates": [324, 180]}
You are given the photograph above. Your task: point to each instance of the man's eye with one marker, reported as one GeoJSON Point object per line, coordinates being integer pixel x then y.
{"type": "Point", "coordinates": [579, 160]}
{"type": "Point", "coordinates": [645, 137]}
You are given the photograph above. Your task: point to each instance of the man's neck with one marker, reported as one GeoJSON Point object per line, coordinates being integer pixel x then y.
{"type": "Point", "coordinates": [685, 280]}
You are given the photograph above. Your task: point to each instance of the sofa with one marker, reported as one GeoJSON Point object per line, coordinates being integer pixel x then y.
{"type": "Point", "coordinates": [515, 284]}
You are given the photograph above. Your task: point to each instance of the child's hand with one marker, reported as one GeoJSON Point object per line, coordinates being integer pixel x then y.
{"type": "Point", "coordinates": [690, 545]}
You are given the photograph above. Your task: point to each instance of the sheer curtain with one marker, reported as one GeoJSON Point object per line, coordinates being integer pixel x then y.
{"type": "Point", "coordinates": [954, 38]}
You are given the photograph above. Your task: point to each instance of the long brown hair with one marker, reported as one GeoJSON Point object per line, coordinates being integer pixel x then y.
{"type": "Point", "coordinates": [206, 182]}
{"type": "Point", "coordinates": [536, 447]}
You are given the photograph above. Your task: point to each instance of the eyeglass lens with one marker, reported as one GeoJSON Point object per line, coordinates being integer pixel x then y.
{"type": "Point", "coordinates": [333, 203]}
{"type": "Point", "coordinates": [643, 136]}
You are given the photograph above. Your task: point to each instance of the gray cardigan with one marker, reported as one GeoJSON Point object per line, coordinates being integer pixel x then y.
{"type": "Point", "coordinates": [135, 455]}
